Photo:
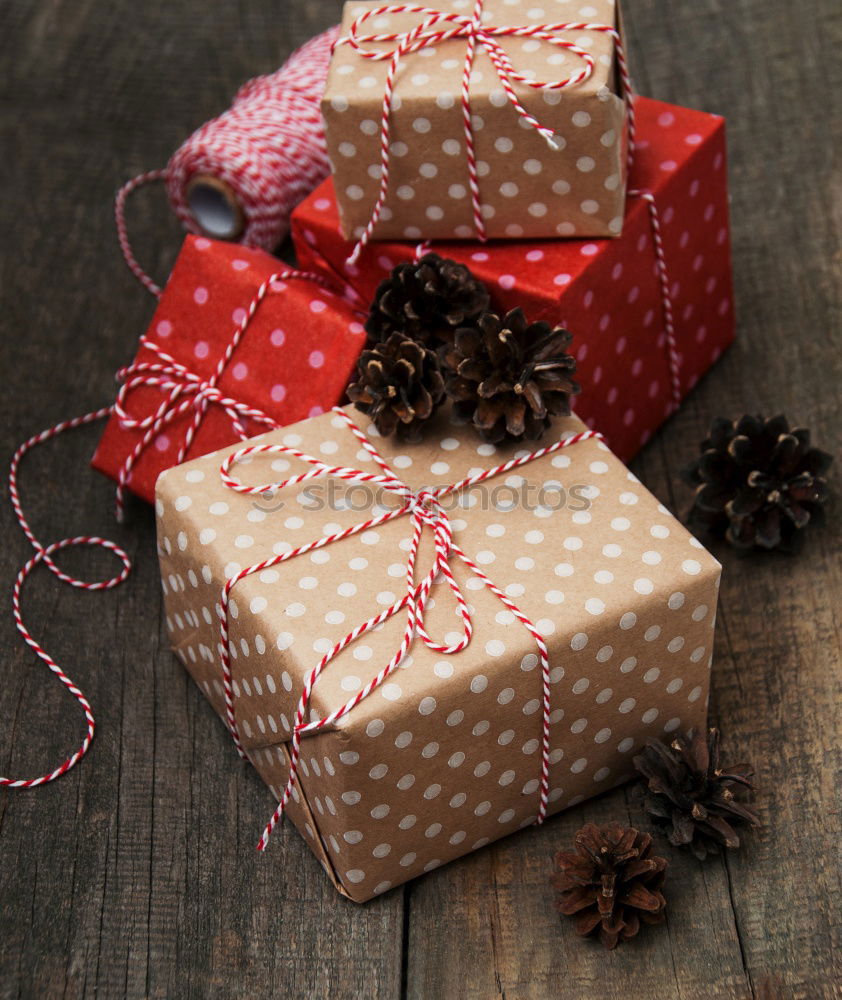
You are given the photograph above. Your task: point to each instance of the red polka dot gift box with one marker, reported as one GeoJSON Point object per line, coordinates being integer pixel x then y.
{"type": "Point", "coordinates": [650, 312]}
{"type": "Point", "coordinates": [239, 343]}
{"type": "Point", "coordinates": [478, 118]}
{"type": "Point", "coordinates": [424, 647]}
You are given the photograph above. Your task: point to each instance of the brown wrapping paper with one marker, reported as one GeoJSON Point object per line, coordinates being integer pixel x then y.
{"type": "Point", "coordinates": [445, 756]}
{"type": "Point", "coordinates": [527, 189]}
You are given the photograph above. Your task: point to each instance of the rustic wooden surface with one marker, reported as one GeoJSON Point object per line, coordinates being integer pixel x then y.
{"type": "Point", "coordinates": [135, 876]}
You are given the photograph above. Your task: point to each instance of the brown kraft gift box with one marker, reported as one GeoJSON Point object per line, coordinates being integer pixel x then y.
{"type": "Point", "coordinates": [445, 756]}
{"type": "Point", "coordinates": [527, 188]}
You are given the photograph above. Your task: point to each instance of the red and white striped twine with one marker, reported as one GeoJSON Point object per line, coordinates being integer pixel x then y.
{"type": "Point", "coordinates": [182, 391]}
{"type": "Point", "coordinates": [673, 357]}
{"type": "Point", "coordinates": [268, 148]}
{"type": "Point", "coordinates": [44, 554]}
{"type": "Point", "coordinates": [439, 26]}
{"type": "Point", "coordinates": [122, 231]}
{"type": "Point", "coordinates": [426, 510]}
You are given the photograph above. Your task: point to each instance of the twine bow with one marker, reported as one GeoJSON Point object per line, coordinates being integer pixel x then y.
{"type": "Point", "coordinates": [184, 391]}
{"type": "Point", "coordinates": [426, 511]}
{"type": "Point", "coordinates": [440, 26]}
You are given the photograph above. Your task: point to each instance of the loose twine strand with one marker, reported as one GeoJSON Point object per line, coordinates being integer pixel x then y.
{"type": "Point", "coordinates": [44, 554]}
{"type": "Point", "coordinates": [184, 393]}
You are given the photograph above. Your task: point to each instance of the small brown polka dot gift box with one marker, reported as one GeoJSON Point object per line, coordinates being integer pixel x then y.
{"type": "Point", "coordinates": [571, 618]}
{"type": "Point", "coordinates": [437, 129]}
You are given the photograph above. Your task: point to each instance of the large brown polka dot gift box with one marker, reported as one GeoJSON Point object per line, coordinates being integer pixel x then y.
{"type": "Point", "coordinates": [545, 161]}
{"type": "Point", "coordinates": [445, 755]}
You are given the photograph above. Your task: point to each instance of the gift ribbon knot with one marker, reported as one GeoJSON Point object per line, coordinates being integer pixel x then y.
{"type": "Point", "coordinates": [437, 26]}
{"type": "Point", "coordinates": [184, 391]}
{"type": "Point", "coordinates": [426, 510]}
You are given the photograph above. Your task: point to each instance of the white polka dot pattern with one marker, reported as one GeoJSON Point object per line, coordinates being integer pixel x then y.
{"type": "Point", "coordinates": [447, 752]}
{"type": "Point", "coordinates": [518, 171]}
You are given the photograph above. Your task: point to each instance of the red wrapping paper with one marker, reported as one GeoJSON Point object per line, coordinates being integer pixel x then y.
{"type": "Point", "coordinates": [293, 362]}
{"type": "Point", "coordinates": [606, 292]}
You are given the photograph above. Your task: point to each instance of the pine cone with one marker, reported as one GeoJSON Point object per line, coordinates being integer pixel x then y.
{"type": "Point", "coordinates": [426, 300]}
{"type": "Point", "coordinates": [508, 376]}
{"type": "Point", "coordinates": [399, 385]}
{"type": "Point", "coordinates": [757, 482]}
{"type": "Point", "coordinates": [689, 791]}
{"type": "Point", "coordinates": [611, 882]}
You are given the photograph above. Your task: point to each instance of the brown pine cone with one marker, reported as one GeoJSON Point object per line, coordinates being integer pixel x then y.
{"type": "Point", "coordinates": [426, 300]}
{"type": "Point", "coordinates": [508, 376]}
{"type": "Point", "coordinates": [690, 793]}
{"type": "Point", "coordinates": [757, 482]}
{"type": "Point", "coordinates": [611, 883]}
{"type": "Point", "coordinates": [399, 385]}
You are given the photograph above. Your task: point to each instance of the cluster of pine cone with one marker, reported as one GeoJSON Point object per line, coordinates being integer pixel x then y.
{"type": "Point", "coordinates": [432, 335]}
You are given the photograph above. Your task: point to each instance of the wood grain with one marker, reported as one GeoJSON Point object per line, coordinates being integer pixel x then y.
{"type": "Point", "coordinates": [134, 876]}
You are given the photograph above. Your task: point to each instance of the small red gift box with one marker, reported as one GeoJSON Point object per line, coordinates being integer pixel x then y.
{"type": "Point", "coordinates": [239, 344]}
{"type": "Point", "coordinates": [645, 329]}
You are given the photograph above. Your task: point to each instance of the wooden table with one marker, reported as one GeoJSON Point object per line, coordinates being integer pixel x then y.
{"type": "Point", "coordinates": [135, 875]}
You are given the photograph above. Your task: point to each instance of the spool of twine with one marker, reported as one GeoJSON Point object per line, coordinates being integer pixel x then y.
{"type": "Point", "coordinates": [240, 175]}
